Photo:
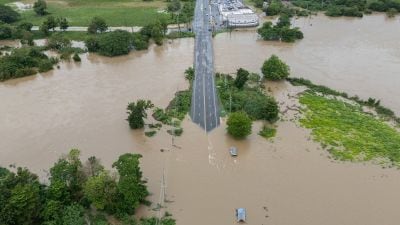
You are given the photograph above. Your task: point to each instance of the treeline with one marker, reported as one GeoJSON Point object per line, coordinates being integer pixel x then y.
{"type": "Point", "coordinates": [73, 191]}
{"type": "Point", "coordinates": [281, 31]}
{"type": "Point", "coordinates": [355, 8]}
{"type": "Point", "coordinates": [121, 42]}
{"type": "Point", "coordinates": [25, 61]}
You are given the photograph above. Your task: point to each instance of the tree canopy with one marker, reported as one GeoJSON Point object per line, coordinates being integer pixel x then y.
{"type": "Point", "coordinates": [8, 15]}
{"type": "Point", "coordinates": [137, 111]}
{"type": "Point", "coordinates": [40, 7]}
{"type": "Point", "coordinates": [239, 124]}
{"type": "Point", "coordinates": [275, 69]}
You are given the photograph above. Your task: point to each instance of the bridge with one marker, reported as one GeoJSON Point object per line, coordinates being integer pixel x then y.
{"type": "Point", "coordinates": [204, 108]}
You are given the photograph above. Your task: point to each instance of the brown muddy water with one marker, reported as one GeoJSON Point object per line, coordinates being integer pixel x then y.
{"type": "Point", "coordinates": [286, 181]}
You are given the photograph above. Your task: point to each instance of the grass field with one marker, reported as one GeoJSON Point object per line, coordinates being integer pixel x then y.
{"type": "Point", "coordinates": [348, 132]}
{"type": "Point", "coordinates": [116, 13]}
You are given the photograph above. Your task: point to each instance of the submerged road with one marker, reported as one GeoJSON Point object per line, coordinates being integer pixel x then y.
{"type": "Point", "coordinates": [204, 108]}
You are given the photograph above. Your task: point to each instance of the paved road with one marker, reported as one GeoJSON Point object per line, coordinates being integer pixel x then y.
{"type": "Point", "coordinates": [204, 108]}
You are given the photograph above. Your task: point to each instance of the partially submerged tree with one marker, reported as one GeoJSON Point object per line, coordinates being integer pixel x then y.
{"type": "Point", "coordinates": [242, 76]}
{"type": "Point", "coordinates": [275, 69]}
{"type": "Point", "coordinates": [137, 111]}
{"type": "Point", "coordinates": [239, 124]}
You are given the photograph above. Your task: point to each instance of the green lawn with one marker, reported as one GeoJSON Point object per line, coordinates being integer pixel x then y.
{"type": "Point", "coordinates": [348, 132]}
{"type": "Point", "coordinates": [116, 13]}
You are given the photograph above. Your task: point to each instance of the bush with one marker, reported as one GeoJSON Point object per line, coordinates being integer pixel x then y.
{"type": "Point", "coordinates": [391, 12]}
{"type": "Point", "coordinates": [239, 125]}
{"type": "Point", "coordinates": [275, 69]}
{"type": "Point", "coordinates": [267, 132]}
{"type": "Point", "coordinates": [242, 76]}
{"type": "Point", "coordinates": [25, 26]}
{"type": "Point", "coordinates": [139, 41]}
{"type": "Point", "coordinates": [8, 15]}
{"type": "Point", "coordinates": [115, 43]}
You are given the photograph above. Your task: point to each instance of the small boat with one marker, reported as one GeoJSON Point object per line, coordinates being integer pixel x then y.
{"type": "Point", "coordinates": [240, 215]}
{"type": "Point", "coordinates": [233, 151]}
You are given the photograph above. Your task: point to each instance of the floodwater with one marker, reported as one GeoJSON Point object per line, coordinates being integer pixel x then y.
{"type": "Point", "coordinates": [286, 181]}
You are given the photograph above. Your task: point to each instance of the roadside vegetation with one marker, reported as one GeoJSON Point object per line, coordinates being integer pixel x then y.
{"type": "Point", "coordinates": [77, 193]}
{"type": "Point", "coordinates": [281, 31]}
{"type": "Point", "coordinates": [243, 97]}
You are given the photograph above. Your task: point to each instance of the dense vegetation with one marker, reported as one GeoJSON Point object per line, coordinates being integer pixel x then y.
{"type": "Point", "coordinates": [73, 191]}
{"type": "Point", "coordinates": [24, 61]}
{"type": "Point", "coordinates": [281, 31]}
{"type": "Point", "coordinates": [347, 131]}
{"type": "Point", "coordinates": [275, 69]}
{"type": "Point", "coordinates": [249, 98]}
{"type": "Point", "coordinates": [349, 7]}
{"type": "Point", "coordinates": [239, 124]}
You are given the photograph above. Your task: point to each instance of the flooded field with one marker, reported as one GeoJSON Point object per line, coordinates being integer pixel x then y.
{"type": "Point", "coordinates": [286, 181]}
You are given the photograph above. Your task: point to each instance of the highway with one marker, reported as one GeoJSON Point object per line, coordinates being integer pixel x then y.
{"type": "Point", "coordinates": [204, 108]}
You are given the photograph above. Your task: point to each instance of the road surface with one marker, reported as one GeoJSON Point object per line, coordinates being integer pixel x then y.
{"type": "Point", "coordinates": [204, 108]}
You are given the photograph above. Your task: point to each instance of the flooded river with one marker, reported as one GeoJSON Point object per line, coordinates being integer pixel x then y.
{"type": "Point", "coordinates": [287, 181]}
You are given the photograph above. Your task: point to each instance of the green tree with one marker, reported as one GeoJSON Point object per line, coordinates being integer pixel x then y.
{"type": "Point", "coordinates": [239, 124]}
{"type": "Point", "coordinates": [131, 188]}
{"type": "Point", "coordinates": [40, 7]}
{"type": "Point", "coordinates": [58, 42]}
{"type": "Point", "coordinates": [63, 22]}
{"type": "Point", "coordinates": [8, 15]}
{"type": "Point", "coordinates": [44, 28]}
{"type": "Point", "coordinates": [69, 172]}
{"type": "Point", "coordinates": [101, 190]}
{"type": "Point", "coordinates": [73, 215]}
{"type": "Point", "coordinates": [242, 76]}
{"type": "Point", "coordinates": [137, 111]}
{"type": "Point", "coordinates": [115, 43]}
{"type": "Point", "coordinates": [283, 21]}
{"type": "Point", "coordinates": [174, 6]}
{"type": "Point", "coordinates": [6, 31]}
{"type": "Point", "coordinates": [275, 69]}
{"type": "Point", "coordinates": [97, 25]}
{"type": "Point", "coordinates": [51, 22]}
{"type": "Point", "coordinates": [27, 26]}
{"type": "Point", "coordinates": [20, 197]}
{"type": "Point", "coordinates": [274, 8]}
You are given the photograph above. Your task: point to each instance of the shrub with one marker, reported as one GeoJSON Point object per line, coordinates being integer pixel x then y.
{"type": "Point", "coordinates": [239, 125]}
{"type": "Point", "coordinates": [242, 76]}
{"type": "Point", "coordinates": [275, 69]}
{"type": "Point", "coordinates": [391, 12]}
{"type": "Point", "coordinates": [25, 26]}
